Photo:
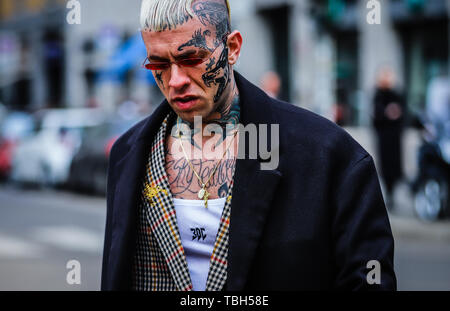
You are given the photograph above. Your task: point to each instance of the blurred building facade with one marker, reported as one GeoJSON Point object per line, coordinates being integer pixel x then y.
{"type": "Point", "coordinates": [412, 39]}
{"type": "Point", "coordinates": [46, 61]}
{"type": "Point", "coordinates": [325, 52]}
{"type": "Point", "coordinates": [31, 53]}
{"type": "Point", "coordinates": [328, 54]}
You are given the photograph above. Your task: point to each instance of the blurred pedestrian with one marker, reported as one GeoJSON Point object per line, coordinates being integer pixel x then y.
{"type": "Point", "coordinates": [271, 84]}
{"type": "Point", "coordinates": [389, 108]}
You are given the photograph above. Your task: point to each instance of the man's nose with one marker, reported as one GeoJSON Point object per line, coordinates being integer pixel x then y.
{"type": "Point", "coordinates": [178, 77]}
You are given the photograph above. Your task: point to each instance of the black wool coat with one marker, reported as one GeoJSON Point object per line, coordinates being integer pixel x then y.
{"type": "Point", "coordinates": [313, 223]}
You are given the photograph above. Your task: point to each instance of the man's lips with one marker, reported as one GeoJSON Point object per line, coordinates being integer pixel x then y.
{"type": "Point", "coordinates": [185, 102]}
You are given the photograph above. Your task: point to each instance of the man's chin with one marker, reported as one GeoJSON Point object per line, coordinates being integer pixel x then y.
{"type": "Point", "coordinates": [189, 116]}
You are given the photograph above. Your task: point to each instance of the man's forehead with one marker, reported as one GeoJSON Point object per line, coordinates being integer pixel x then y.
{"type": "Point", "coordinates": [167, 37]}
{"type": "Point", "coordinates": [172, 40]}
{"type": "Point", "coordinates": [178, 35]}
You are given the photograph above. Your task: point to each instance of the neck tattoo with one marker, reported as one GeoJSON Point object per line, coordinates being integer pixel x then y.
{"type": "Point", "coordinates": [228, 121]}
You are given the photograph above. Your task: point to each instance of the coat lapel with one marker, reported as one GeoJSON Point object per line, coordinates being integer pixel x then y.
{"type": "Point", "coordinates": [253, 190]}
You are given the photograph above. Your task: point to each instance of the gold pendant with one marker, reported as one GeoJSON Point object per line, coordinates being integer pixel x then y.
{"type": "Point", "coordinates": [203, 194]}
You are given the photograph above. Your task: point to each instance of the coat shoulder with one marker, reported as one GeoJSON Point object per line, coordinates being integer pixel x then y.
{"type": "Point", "coordinates": [126, 140]}
{"type": "Point", "coordinates": [303, 128]}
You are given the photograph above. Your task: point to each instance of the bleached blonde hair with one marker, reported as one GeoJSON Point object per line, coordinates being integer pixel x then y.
{"type": "Point", "coordinates": [159, 15]}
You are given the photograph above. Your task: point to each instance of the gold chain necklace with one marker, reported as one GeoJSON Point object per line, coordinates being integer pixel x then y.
{"type": "Point", "coordinates": [203, 193]}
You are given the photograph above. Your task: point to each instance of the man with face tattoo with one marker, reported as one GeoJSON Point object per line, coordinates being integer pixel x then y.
{"type": "Point", "coordinates": [190, 208]}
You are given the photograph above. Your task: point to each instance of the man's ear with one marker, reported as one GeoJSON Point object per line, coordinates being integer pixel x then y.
{"type": "Point", "coordinates": [234, 44]}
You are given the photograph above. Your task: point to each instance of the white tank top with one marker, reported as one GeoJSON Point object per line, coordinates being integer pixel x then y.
{"type": "Point", "coordinates": [198, 229]}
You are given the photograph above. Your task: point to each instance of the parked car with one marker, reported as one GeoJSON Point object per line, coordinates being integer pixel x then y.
{"type": "Point", "coordinates": [89, 166]}
{"type": "Point", "coordinates": [15, 126]}
{"type": "Point", "coordinates": [44, 158]}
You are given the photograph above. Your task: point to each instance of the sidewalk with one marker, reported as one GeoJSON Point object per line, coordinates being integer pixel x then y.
{"type": "Point", "coordinates": [414, 229]}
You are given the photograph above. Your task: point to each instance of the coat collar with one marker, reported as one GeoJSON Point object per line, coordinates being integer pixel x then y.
{"type": "Point", "coordinates": [249, 205]}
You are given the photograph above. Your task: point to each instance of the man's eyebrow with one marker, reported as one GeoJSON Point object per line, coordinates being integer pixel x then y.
{"type": "Point", "coordinates": [187, 53]}
{"type": "Point", "coordinates": [157, 58]}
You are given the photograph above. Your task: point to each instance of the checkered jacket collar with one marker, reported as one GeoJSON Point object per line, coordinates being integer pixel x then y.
{"type": "Point", "coordinates": [163, 223]}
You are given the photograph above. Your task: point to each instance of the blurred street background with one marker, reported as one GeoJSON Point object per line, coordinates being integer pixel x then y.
{"type": "Point", "coordinates": [71, 83]}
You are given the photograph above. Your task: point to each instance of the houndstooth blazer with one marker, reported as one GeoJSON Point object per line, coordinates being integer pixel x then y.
{"type": "Point", "coordinates": [159, 261]}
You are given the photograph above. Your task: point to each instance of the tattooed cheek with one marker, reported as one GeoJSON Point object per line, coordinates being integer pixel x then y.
{"type": "Point", "coordinates": [211, 63]}
{"type": "Point", "coordinates": [158, 76]}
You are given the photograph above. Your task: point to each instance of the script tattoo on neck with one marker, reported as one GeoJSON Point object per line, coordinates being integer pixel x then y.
{"type": "Point", "coordinates": [182, 177]}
